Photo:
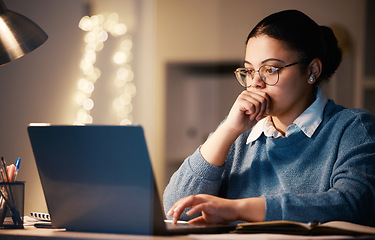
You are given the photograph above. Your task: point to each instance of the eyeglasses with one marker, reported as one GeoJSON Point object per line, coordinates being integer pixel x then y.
{"type": "Point", "coordinates": [267, 73]}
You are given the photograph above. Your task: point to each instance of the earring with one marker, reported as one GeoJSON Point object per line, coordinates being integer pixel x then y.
{"type": "Point", "coordinates": [311, 79]}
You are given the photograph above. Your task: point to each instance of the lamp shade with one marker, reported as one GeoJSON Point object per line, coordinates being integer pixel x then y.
{"type": "Point", "coordinates": [18, 35]}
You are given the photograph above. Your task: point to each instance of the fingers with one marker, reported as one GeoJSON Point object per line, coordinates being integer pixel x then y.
{"type": "Point", "coordinates": [213, 209]}
{"type": "Point", "coordinates": [254, 104]}
{"type": "Point", "coordinates": [197, 208]}
{"type": "Point", "coordinates": [178, 208]}
{"type": "Point", "coordinates": [249, 107]}
{"type": "Point", "coordinates": [198, 221]}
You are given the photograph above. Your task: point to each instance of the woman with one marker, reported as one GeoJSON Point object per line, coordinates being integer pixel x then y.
{"type": "Point", "coordinates": [284, 152]}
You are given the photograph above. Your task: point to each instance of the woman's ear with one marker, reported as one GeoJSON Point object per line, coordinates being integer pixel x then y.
{"type": "Point", "coordinates": [314, 70]}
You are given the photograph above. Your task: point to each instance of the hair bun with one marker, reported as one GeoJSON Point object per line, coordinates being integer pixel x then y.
{"type": "Point", "coordinates": [331, 52]}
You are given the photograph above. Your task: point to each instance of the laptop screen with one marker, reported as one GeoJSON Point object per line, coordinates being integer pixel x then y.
{"type": "Point", "coordinates": [96, 177]}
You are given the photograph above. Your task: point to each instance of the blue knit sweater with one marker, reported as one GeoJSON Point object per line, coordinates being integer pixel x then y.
{"type": "Point", "coordinates": [330, 176]}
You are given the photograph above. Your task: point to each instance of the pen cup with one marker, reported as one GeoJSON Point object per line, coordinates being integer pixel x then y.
{"type": "Point", "coordinates": [12, 199]}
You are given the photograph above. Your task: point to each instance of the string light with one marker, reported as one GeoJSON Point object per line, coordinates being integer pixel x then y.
{"type": "Point", "coordinates": [97, 28]}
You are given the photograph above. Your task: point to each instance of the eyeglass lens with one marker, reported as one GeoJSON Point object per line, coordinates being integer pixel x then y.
{"type": "Point", "coordinates": [268, 74]}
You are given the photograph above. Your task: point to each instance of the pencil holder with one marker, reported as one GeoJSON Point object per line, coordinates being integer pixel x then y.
{"type": "Point", "coordinates": [12, 199]}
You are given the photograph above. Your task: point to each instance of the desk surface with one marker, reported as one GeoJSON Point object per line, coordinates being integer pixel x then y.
{"type": "Point", "coordinates": [32, 233]}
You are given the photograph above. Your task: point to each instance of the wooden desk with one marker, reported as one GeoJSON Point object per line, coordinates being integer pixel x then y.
{"type": "Point", "coordinates": [32, 233]}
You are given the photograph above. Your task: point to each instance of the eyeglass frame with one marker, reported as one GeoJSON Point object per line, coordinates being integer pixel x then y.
{"type": "Point", "coordinates": [252, 76]}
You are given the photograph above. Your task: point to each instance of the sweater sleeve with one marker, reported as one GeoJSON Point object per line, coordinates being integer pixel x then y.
{"type": "Point", "coordinates": [194, 176]}
{"type": "Point", "coordinates": [351, 196]}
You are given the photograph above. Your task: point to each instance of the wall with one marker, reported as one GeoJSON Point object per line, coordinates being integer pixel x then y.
{"type": "Point", "coordinates": [40, 87]}
{"type": "Point", "coordinates": [36, 87]}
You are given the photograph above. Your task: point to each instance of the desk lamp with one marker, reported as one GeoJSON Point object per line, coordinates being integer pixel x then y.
{"type": "Point", "coordinates": [18, 35]}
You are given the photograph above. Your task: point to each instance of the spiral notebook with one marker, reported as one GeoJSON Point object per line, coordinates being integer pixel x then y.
{"type": "Point", "coordinates": [99, 178]}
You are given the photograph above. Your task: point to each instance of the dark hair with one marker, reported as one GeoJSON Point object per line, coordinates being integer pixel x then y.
{"type": "Point", "coordinates": [300, 33]}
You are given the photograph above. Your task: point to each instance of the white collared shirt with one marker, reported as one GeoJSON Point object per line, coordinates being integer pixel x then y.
{"type": "Point", "coordinates": [307, 122]}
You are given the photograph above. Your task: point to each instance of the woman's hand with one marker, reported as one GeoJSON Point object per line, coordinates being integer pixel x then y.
{"type": "Point", "coordinates": [216, 210]}
{"type": "Point", "coordinates": [248, 109]}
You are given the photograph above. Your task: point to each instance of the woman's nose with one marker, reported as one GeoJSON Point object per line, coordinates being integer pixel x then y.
{"type": "Point", "coordinates": [257, 82]}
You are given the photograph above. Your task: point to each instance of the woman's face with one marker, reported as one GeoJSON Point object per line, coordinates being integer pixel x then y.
{"type": "Point", "coordinates": [292, 94]}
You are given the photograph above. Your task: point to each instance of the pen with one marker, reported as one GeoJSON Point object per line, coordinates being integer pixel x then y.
{"type": "Point", "coordinates": [4, 165]}
{"type": "Point", "coordinates": [16, 217]}
{"type": "Point", "coordinates": [8, 190]}
{"type": "Point", "coordinates": [18, 162]}
{"type": "Point", "coordinates": [10, 171]}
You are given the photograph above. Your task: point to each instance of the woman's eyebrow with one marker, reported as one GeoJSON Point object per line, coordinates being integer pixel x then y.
{"type": "Point", "coordinates": [272, 60]}
{"type": "Point", "coordinates": [246, 62]}
{"type": "Point", "coordinates": [267, 60]}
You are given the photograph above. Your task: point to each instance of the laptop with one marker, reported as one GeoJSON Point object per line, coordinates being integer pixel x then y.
{"type": "Point", "coordinates": [99, 178]}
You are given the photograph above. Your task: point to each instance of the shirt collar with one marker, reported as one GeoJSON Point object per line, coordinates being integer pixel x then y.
{"type": "Point", "coordinates": [308, 121]}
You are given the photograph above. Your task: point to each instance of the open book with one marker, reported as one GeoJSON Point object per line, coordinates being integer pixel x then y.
{"type": "Point", "coordinates": [290, 227]}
